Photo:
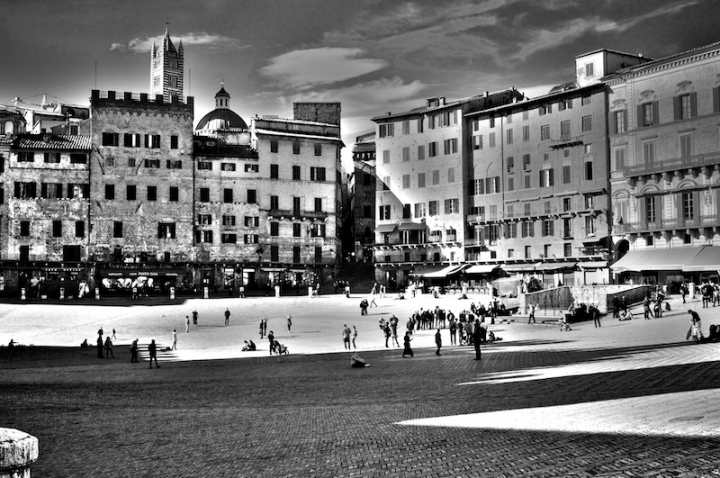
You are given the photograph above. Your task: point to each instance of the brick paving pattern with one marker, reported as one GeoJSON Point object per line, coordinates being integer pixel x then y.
{"type": "Point", "coordinates": [314, 416]}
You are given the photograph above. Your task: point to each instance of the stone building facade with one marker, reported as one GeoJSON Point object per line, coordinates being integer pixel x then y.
{"type": "Point", "coordinates": [665, 161]}
{"type": "Point", "coordinates": [167, 69]}
{"type": "Point", "coordinates": [361, 198]}
{"type": "Point", "coordinates": [421, 168]}
{"type": "Point", "coordinates": [141, 181]}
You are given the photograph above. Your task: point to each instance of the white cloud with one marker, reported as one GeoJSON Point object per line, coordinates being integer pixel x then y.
{"type": "Point", "coordinates": [303, 69]}
{"type": "Point", "coordinates": [144, 44]}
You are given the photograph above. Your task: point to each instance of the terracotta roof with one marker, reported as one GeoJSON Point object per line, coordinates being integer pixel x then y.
{"type": "Point", "coordinates": [291, 120]}
{"type": "Point", "coordinates": [296, 135]}
{"type": "Point", "coordinates": [56, 141]}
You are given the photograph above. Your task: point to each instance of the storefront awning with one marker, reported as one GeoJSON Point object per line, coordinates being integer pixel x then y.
{"type": "Point", "coordinates": [385, 228]}
{"type": "Point", "coordinates": [673, 259]}
{"type": "Point", "coordinates": [446, 272]}
{"type": "Point", "coordinates": [554, 266]}
{"type": "Point", "coordinates": [422, 270]}
{"type": "Point", "coordinates": [593, 265]}
{"type": "Point", "coordinates": [412, 226]}
{"type": "Point", "coordinates": [510, 268]}
{"type": "Point", "coordinates": [708, 259]}
{"type": "Point", "coordinates": [481, 268]}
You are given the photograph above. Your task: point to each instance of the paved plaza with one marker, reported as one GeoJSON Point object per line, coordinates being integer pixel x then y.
{"type": "Point", "coordinates": [632, 398]}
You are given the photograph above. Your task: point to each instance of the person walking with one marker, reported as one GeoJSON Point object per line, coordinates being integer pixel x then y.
{"type": "Point", "coordinates": [152, 350]}
{"type": "Point", "coordinates": [134, 352]}
{"type": "Point", "coordinates": [354, 336]}
{"type": "Point", "coordinates": [227, 317]}
{"type": "Point", "coordinates": [531, 318]}
{"type": "Point", "coordinates": [108, 348]}
{"type": "Point", "coordinates": [195, 317]}
{"type": "Point", "coordinates": [477, 337]}
{"type": "Point", "coordinates": [262, 329]}
{"type": "Point", "coordinates": [174, 347]}
{"type": "Point", "coordinates": [372, 299]}
{"type": "Point", "coordinates": [187, 324]}
{"type": "Point", "coordinates": [438, 341]}
{"type": "Point", "coordinates": [406, 341]}
{"type": "Point", "coordinates": [453, 332]}
{"type": "Point", "coordinates": [271, 339]}
{"type": "Point", "coordinates": [113, 335]}
{"type": "Point", "coordinates": [346, 337]}
{"type": "Point", "coordinates": [100, 344]}
{"type": "Point", "coordinates": [695, 328]}
{"type": "Point", "coordinates": [386, 330]}
{"type": "Point", "coordinates": [289, 322]}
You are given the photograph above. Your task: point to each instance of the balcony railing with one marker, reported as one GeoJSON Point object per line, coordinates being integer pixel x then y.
{"type": "Point", "coordinates": [696, 161]}
{"type": "Point", "coordinates": [667, 224]}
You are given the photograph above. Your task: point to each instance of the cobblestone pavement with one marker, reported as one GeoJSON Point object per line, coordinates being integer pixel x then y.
{"type": "Point", "coordinates": [563, 398]}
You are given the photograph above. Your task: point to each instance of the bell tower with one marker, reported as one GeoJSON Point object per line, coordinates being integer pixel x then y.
{"type": "Point", "coordinates": [166, 69]}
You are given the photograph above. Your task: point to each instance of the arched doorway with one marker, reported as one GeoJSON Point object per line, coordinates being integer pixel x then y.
{"type": "Point", "coordinates": [623, 247]}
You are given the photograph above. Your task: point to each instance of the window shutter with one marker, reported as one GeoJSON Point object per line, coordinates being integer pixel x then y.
{"type": "Point", "coordinates": [656, 113]}
{"type": "Point", "coordinates": [658, 208]}
{"type": "Point", "coordinates": [693, 104]}
{"type": "Point", "coordinates": [679, 209]}
{"type": "Point", "coordinates": [677, 107]}
{"type": "Point", "coordinates": [625, 119]}
{"type": "Point", "coordinates": [613, 124]}
{"type": "Point", "coordinates": [481, 188]}
{"type": "Point", "coordinates": [642, 212]}
{"type": "Point", "coordinates": [716, 99]}
{"type": "Point", "coordinates": [551, 178]}
{"type": "Point", "coordinates": [696, 204]}
{"type": "Point", "coordinates": [17, 189]}
{"type": "Point", "coordinates": [43, 190]}
{"type": "Point", "coordinates": [640, 117]}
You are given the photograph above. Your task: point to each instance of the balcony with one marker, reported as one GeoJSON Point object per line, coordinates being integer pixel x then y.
{"type": "Point", "coordinates": [667, 225]}
{"type": "Point", "coordinates": [689, 162]}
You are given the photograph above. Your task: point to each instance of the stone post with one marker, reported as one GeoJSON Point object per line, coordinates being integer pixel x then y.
{"type": "Point", "coordinates": [17, 451]}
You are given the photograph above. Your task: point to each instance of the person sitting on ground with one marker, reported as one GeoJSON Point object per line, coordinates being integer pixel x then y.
{"type": "Point", "coordinates": [563, 323]}
{"type": "Point", "coordinates": [357, 362]}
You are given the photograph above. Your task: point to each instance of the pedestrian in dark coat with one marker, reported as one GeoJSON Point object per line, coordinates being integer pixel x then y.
{"type": "Point", "coordinates": [271, 339]}
{"type": "Point", "coordinates": [477, 337]}
{"type": "Point", "coordinates": [152, 350]}
{"type": "Point", "coordinates": [100, 346]}
{"type": "Point", "coordinates": [408, 349]}
{"type": "Point", "coordinates": [134, 352]}
{"type": "Point", "coordinates": [438, 341]}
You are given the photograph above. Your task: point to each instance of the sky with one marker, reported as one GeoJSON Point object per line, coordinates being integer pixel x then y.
{"type": "Point", "coordinates": [373, 56]}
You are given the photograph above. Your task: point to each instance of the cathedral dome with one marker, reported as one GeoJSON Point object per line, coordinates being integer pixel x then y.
{"type": "Point", "coordinates": [222, 117]}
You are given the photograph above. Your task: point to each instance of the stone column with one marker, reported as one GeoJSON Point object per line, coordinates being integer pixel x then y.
{"type": "Point", "coordinates": [17, 451]}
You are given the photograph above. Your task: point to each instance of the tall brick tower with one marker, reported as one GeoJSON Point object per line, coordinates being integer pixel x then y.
{"type": "Point", "coordinates": [166, 69]}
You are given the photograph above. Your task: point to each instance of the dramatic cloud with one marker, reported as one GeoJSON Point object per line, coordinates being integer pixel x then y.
{"type": "Point", "coordinates": [304, 69]}
{"type": "Point", "coordinates": [144, 44]}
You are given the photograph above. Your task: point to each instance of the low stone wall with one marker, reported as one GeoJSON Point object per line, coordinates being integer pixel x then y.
{"type": "Point", "coordinates": [17, 451]}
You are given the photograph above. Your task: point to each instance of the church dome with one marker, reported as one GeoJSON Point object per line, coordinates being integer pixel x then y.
{"type": "Point", "coordinates": [222, 117]}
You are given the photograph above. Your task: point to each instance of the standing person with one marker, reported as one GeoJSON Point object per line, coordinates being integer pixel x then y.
{"type": "Point", "coordinates": [108, 348]}
{"type": "Point", "coordinates": [195, 317]}
{"type": "Point", "coordinates": [152, 350]}
{"type": "Point", "coordinates": [187, 324]}
{"type": "Point", "coordinates": [262, 328]}
{"type": "Point", "coordinates": [477, 338]}
{"type": "Point", "coordinates": [354, 336]}
{"type": "Point", "coordinates": [174, 347]}
{"type": "Point", "coordinates": [265, 321]}
{"type": "Point", "coordinates": [346, 337]}
{"type": "Point", "coordinates": [438, 341]}
{"type": "Point", "coordinates": [134, 352]}
{"type": "Point", "coordinates": [683, 291]}
{"type": "Point", "coordinates": [595, 315]}
{"type": "Point", "coordinates": [386, 330]}
{"type": "Point", "coordinates": [531, 319]}
{"type": "Point", "coordinates": [453, 332]}
{"type": "Point", "coordinates": [271, 339]}
{"type": "Point", "coordinates": [695, 328]}
{"type": "Point", "coordinates": [100, 344]}
{"type": "Point", "coordinates": [227, 317]}
{"type": "Point", "coordinates": [646, 308]}
{"type": "Point", "coordinates": [113, 335]}
{"type": "Point", "coordinates": [372, 299]}
{"type": "Point", "coordinates": [289, 322]}
{"type": "Point", "coordinates": [393, 326]}
{"type": "Point", "coordinates": [406, 341]}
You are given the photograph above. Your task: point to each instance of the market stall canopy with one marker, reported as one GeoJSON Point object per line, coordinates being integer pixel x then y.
{"type": "Point", "coordinates": [673, 259]}
{"type": "Point", "coordinates": [421, 271]}
{"type": "Point", "coordinates": [708, 259]}
{"type": "Point", "coordinates": [481, 268]}
{"type": "Point", "coordinates": [554, 266]}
